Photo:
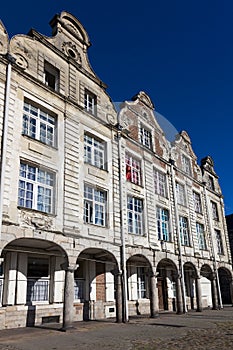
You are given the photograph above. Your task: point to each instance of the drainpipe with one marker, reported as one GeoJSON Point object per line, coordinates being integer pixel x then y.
{"type": "Point", "coordinates": [178, 236]}
{"type": "Point", "coordinates": [4, 134]}
{"type": "Point", "coordinates": [213, 247]}
{"type": "Point", "coordinates": [123, 255]}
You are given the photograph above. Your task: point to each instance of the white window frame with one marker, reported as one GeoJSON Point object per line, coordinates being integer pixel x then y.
{"type": "Point", "coordinates": [201, 236]}
{"type": "Point", "coordinates": [160, 183]}
{"type": "Point", "coordinates": [36, 188]}
{"type": "Point", "coordinates": [94, 151]}
{"type": "Point", "coordinates": [135, 215]}
{"type": "Point", "coordinates": [90, 102]}
{"type": "Point", "coordinates": [39, 124]}
{"type": "Point", "coordinates": [184, 231]}
{"type": "Point", "coordinates": [186, 164]}
{"type": "Point", "coordinates": [197, 202]}
{"type": "Point", "coordinates": [145, 137]}
{"type": "Point", "coordinates": [95, 205]}
{"type": "Point", "coordinates": [180, 194]}
{"type": "Point", "coordinates": [163, 224]}
{"type": "Point", "coordinates": [133, 170]}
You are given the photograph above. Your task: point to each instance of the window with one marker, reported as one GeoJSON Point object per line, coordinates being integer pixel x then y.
{"type": "Point", "coordinates": [180, 193]}
{"type": "Point", "coordinates": [219, 242]}
{"type": "Point", "coordinates": [186, 166]}
{"type": "Point", "coordinates": [37, 279]}
{"type": "Point", "coordinates": [197, 202]}
{"type": "Point", "coordinates": [145, 137]}
{"type": "Point", "coordinates": [214, 211]}
{"type": "Point", "coordinates": [94, 151]}
{"type": "Point", "coordinates": [141, 282]}
{"type": "Point", "coordinates": [163, 224]}
{"type": "Point", "coordinates": [200, 236]}
{"type": "Point", "coordinates": [94, 206]}
{"type": "Point", "coordinates": [51, 76]}
{"type": "Point", "coordinates": [184, 232]}
{"type": "Point", "coordinates": [79, 281]}
{"type": "Point", "coordinates": [135, 215]}
{"type": "Point", "coordinates": [36, 188]}
{"type": "Point", "coordinates": [90, 102]}
{"type": "Point", "coordinates": [133, 170]}
{"type": "Point", "coordinates": [38, 124]}
{"type": "Point", "coordinates": [160, 183]}
{"type": "Point", "coordinates": [210, 183]}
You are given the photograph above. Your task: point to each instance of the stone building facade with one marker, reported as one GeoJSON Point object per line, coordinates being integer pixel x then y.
{"type": "Point", "coordinates": [101, 215]}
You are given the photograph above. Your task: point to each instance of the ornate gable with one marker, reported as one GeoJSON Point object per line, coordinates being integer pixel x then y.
{"type": "Point", "coordinates": [183, 142]}
{"type": "Point", "coordinates": [144, 98]}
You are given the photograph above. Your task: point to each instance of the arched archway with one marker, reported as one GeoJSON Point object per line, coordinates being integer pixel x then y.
{"type": "Point", "coordinates": [138, 275]}
{"type": "Point", "coordinates": [190, 276]}
{"type": "Point", "coordinates": [225, 282]}
{"type": "Point", "coordinates": [33, 277]}
{"type": "Point", "coordinates": [96, 284]}
{"type": "Point", "coordinates": [209, 287]}
{"type": "Point", "coordinates": [167, 284]}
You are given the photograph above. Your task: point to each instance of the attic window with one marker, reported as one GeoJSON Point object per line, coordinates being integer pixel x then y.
{"type": "Point", "coordinates": [51, 76]}
{"type": "Point", "coordinates": [186, 166]}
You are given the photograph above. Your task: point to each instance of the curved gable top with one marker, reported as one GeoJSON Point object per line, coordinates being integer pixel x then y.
{"type": "Point", "coordinates": [183, 142]}
{"type": "Point", "coordinates": [4, 39]}
{"type": "Point", "coordinates": [71, 24]}
{"type": "Point", "coordinates": [144, 98]}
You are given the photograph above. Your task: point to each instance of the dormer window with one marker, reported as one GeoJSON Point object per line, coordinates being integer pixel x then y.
{"type": "Point", "coordinates": [186, 166]}
{"type": "Point", "coordinates": [145, 137]}
{"type": "Point", "coordinates": [210, 183]}
{"type": "Point", "coordinates": [90, 102]}
{"type": "Point", "coordinates": [51, 76]}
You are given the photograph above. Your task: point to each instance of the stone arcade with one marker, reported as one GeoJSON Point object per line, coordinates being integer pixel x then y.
{"type": "Point", "coordinates": [102, 216]}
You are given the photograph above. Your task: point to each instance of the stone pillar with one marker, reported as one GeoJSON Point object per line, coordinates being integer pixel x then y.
{"type": "Point", "coordinates": [214, 292]}
{"type": "Point", "coordinates": [118, 286]}
{"type": "Point", "coordinates": [179, 302]}
{"type": "Point", "coordinates": [68, 304]}
{"type": "Point", "coordinates": [154, 299]}
{"type": "Point", "coordinates": [198, 294]}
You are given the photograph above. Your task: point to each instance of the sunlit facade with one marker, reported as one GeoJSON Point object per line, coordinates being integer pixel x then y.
{"type": "Point", "coordinates": [102, 216]}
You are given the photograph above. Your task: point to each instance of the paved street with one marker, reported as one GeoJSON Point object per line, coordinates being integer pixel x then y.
{"type": "Point", "coordinates": [207, 330]}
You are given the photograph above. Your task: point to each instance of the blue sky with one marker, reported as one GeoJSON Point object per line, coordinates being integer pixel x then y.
{"type": "Point", "coordinates": [179, 52]}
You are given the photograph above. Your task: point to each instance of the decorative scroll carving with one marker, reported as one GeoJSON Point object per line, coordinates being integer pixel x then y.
{"type": "Point", "coordinates": [37, 220]}
{"type": "Point", "coordinates": [21, 61]}
{"type": "Point", "coordinates": [24, 50]}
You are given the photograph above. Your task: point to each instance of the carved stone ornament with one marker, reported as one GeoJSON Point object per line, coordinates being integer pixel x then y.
{"type": "Point", "coordinates": [21, 61]}
{"type": "Point", "coordinates": [37, 220]}
{"type": "Point", "coordinates": [111, 119]}
{"type": "Point", "coordinates": [20, 47]}
{"type": "Point", "coordinates": [70, 50]}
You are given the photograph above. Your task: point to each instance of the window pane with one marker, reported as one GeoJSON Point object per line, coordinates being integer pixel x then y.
{"type": "Point", "coordinates": [38, 124]}
{"type": "Point", "coordinates": [94, 206]}
{"type": "Point", "coordinates": [35, 188]}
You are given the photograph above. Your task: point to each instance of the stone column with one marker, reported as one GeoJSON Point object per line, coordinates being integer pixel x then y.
{"type": "Point", "coordinates": [214, 291]}
{"type": "Point", "coordinates": [68, 303]}
{"type": "Point", "coordinates": [118, 286]}
{"type": "Point", "coordinates": [198, 294]}
{"type": "Point", "coordinates": [154, 299]}
{"type": "Point", "coordinates": [179, 302]}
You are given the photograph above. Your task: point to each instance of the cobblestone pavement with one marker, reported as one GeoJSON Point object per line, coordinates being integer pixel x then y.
{"type": "Point", "coordinates": [209, 330]}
